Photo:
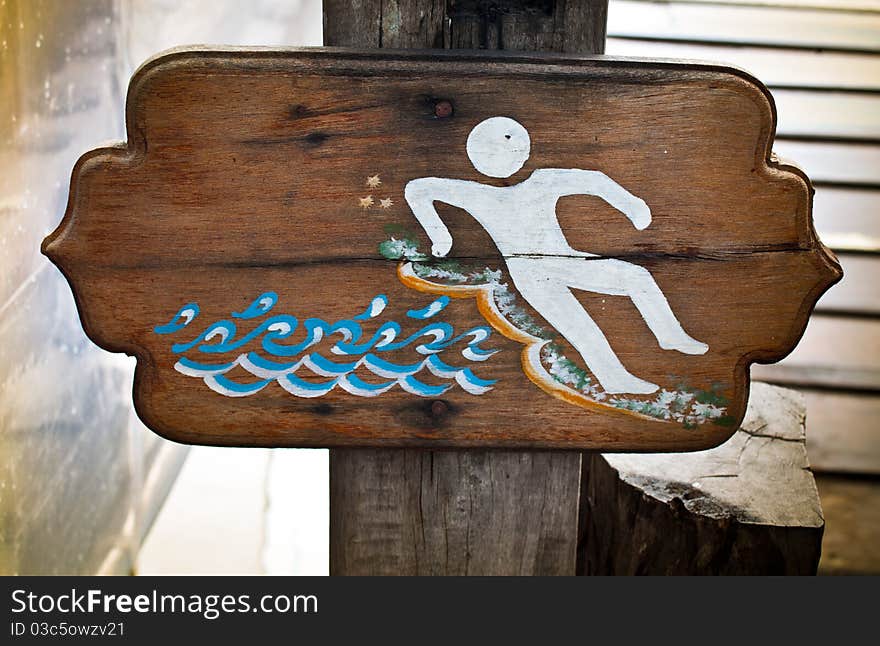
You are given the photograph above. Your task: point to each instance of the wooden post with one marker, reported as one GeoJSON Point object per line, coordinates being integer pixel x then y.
{"type": "Point", "coordinates": [574, 26]}
{"type": "Point", "coordinates": [409, 511]}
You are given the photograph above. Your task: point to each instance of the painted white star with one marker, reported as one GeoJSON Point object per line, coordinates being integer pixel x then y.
{"type": "Point", "coordinates": [373, 181]}
{"type": "Point", "coordinates": [366, 202]}
{"type": "Point", "coordinates": [387, 203]}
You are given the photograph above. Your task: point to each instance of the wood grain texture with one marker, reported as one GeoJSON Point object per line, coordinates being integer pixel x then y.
{"type": "Point", "coordinates": [749, 506]}
{"type": "Point", "coordinates": [526, 512]}
{"type": "Point", "coordinates": [409, 512]}
{"type": "Point", "coordinates": [220, 196]}
{"type": "Point", "coordinates": [576, 26]}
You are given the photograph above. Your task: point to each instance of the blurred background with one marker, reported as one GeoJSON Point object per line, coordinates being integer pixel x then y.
{"type": "Point", "coordinates": [86, 488]}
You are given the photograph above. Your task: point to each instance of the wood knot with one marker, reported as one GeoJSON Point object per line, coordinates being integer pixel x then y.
{"type": "Point", "coordinates": [438, 408]}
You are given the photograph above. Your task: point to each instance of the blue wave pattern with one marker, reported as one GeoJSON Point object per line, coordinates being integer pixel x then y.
{"type": "Point", "coordinates": [285, 360]}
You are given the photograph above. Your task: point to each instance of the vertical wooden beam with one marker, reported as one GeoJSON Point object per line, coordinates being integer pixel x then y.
{"type": "Point", "coordinates": [405, 511]}
{"type": "Point", "coordinates": [575, 26]}
{"type": "Point", "coordinates": [408, 511]}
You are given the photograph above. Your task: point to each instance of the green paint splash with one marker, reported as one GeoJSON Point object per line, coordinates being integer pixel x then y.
{"type": "Point", "coordinates": [688, 406]}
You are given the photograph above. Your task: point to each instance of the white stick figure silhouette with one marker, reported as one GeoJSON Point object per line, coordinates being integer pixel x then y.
{"type": "Point", "coordinates": [522, 221]}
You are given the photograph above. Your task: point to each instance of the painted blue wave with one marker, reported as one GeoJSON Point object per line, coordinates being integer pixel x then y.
{"type": "Point", "coordinates": [286, 361]}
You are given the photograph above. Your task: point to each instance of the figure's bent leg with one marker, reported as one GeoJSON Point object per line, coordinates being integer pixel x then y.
{"type": "Point", "coordinates": [617, 277]}
{"type": "Point", "coordinates": [555, 302]}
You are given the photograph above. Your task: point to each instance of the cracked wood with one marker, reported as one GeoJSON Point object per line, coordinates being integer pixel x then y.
{"type": "Point", "coordinates": [283, 172]}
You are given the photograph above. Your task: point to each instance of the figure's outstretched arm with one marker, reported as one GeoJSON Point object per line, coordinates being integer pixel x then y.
{"type": "Point", "coordinates": [593, 182]}
{"type": "Point", "coordinates": [420, 194]}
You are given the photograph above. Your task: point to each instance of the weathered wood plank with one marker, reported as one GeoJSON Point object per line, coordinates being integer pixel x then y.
{"type": "Point", "coordinates": [855, 165]}
{"type": "Point", "coordinates": [749, 506]}
{"type": "Point", "coordinates": [833, 377]}
{"type": "Point", "coordinates": [409, 512]}
{"type": "Point", "coordinates": [859, 291]}
{"type": "Point", "coordinates": [273, 204]}
{"type": "Point", "coordinates": [563, 26]}
{"type": "Point", "coordinates": [868, 6]}
{"type": "Point", "coordinates": [396, 418]}
{"type": "Point", "coordinates": [777, 68]}
{"type": "Point", "coordinates": [835, 352]}
{"type": "Point", "coordinates": [747, 25]}
{"type": "Point", "coordinates": [843, 435]}
{"type": "Point", "coordinates": [828, 115]}
{"type": "Point", "coordinates": [354, 23]}
{"type": "Point", "coordinates": [848, 219]}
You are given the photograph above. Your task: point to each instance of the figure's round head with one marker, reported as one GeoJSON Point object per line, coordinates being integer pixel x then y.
{"type": "Point", "coordinates": [498, 147]}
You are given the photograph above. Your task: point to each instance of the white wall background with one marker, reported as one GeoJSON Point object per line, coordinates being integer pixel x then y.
{"type": "Point", "coordinates": [233, 510]}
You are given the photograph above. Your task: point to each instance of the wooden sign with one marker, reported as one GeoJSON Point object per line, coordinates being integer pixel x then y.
{"type": "Point", "coordinates": [329, 247]}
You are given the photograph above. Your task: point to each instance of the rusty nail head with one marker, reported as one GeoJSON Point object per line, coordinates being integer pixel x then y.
{"type": "Point", "coordinates": [438, 407]}
{"type": "Point", "coordinates": [443, 109]}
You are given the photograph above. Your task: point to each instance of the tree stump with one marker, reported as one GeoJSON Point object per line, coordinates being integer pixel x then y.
{"type": "Point", "coordinates": [749, 506]}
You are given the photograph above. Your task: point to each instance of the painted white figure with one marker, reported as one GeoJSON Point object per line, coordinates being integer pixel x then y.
{"type": "Point", "coordinates": [522, 221]}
